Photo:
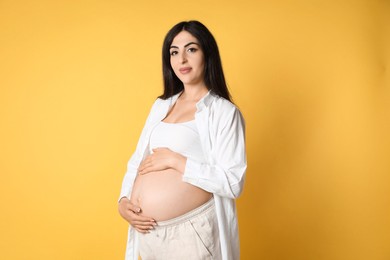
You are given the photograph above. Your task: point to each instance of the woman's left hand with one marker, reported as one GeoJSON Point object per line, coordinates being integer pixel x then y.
{"type": "Point", "coordinates": [162, 159]}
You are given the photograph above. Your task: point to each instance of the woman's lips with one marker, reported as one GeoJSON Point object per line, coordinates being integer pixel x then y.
{"type": "Point", "coordinates": [185, 70]}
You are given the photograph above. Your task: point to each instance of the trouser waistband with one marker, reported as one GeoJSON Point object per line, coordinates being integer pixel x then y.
{"type": "Point", "coordinates": [185, 217]}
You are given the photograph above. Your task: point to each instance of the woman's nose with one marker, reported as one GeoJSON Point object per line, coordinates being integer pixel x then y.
{"type": "Point", "coordinates": [183, 57]}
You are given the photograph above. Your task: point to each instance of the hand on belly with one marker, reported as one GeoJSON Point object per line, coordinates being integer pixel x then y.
{"type": "Point", "coordinates": [163, 195]}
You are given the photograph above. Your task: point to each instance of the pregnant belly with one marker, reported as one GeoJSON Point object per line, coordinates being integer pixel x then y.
{"type": "Point", "coordinates": [164, 195]}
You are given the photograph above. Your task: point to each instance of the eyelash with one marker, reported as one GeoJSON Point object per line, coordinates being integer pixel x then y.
{"type": "Point", "coordinates": [192, 50]}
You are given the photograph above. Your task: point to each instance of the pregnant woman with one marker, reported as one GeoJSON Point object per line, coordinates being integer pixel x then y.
{"type": "Point", "coordinates": [179, 190]}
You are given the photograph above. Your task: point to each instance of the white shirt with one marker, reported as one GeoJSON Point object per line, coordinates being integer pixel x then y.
{"type": "Point", "coordinates": [222, 134]}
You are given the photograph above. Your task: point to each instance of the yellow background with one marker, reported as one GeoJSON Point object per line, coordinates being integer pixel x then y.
{"type": "Point", "coordinates": [77, 79]}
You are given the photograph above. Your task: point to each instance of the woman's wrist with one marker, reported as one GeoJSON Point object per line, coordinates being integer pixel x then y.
{"type": "Point", "coordinates": [121, 199]}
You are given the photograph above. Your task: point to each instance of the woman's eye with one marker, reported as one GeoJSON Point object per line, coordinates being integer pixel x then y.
{"type": "Point", "coordinates": [173, 53]}
{"type": "Point", "coordinates": [192, 50]}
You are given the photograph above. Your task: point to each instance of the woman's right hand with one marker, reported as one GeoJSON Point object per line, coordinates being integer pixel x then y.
{"type": "Point", "coordinates": [130, 213]}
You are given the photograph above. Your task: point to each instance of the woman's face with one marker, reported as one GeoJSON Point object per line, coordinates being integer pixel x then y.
{"type": "Point", "coordinates": [187, 59]}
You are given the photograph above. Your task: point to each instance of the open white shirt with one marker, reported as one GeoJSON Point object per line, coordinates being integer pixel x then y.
{"type": "Point", "coordinates": [222, 134]}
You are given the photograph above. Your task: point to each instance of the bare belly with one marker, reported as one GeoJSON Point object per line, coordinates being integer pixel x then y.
{"type": "Point", "coordinates": [164, 195]}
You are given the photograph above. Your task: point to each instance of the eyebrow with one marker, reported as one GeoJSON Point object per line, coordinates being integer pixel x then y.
{"type": "Point", "coordinates": [188, 44]}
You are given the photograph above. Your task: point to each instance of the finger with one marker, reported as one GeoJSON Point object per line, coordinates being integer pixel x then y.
{"type": "Point", "coordinates": [142, 231]}
{"type": "Point", "coordinates": [144, 225]}
{"type": "Point", "coordinates": [145, 164]}
{"type": "Point", "coordinates": [127, 205]}
{"type": "Point", "coordinates": [141, 227]}
{"type": "Point", "coordinates": [147, 169]}
{"type": "Point", "coordinates": [141, 219]}
{"type": "Point", "coordinates": [142, 165]}
{"type": "Point", "coordinates": [131, 218]}
{"type": "Point", "coordinates": [134, 208]}
{"type": "Point", "coordinates": [141, 224]}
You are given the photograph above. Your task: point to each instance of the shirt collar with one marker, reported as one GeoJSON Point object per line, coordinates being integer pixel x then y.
{"type": "Point", "coordinates": [205, 101]}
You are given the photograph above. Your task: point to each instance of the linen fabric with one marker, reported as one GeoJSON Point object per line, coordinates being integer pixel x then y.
{"type": "Point", "coordinates": [192, 236]}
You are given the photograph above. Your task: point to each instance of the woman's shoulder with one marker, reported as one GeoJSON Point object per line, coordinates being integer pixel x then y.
{"type": "Point", "coordinates": [159, 102]}
{"type": "Point", "coordinates": [157, 107]}
{"type": "Point", "coordinates": [223, 114]}
{"type": "Point", "coordinates": [166, 102]}
{"type": "Point", "coordinates": [222, 105]}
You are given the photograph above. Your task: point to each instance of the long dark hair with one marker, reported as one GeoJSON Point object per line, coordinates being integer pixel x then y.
{"type": "Point", "coordinates": [213, 76]}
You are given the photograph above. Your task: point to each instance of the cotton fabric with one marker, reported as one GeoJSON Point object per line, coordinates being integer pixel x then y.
{"type": "Point", "coordinates": [181, 138]}
{"type": "Point", "coordinates": [222, 135]}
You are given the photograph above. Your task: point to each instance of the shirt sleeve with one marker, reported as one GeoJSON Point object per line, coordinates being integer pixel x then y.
{"type": "Point", "coordinates": [224, 173]}
{"type": "Point", "coordinates": [136, 158]}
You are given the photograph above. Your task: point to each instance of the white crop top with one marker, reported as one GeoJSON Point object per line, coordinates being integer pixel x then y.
{"type": "Point", "coordinates": [181, 138]}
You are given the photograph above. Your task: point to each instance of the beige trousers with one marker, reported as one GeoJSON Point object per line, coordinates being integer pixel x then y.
{"type": "Point", "coordinates": [192, 236]}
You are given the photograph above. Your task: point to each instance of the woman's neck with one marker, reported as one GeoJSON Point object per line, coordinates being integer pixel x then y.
{"type": "Point", "coordinates": [193, 94]}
